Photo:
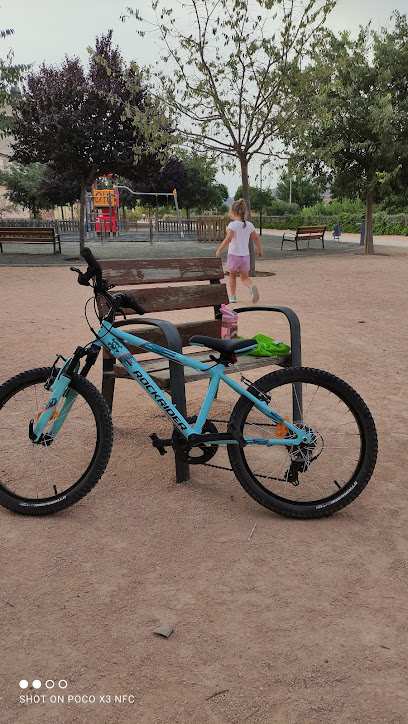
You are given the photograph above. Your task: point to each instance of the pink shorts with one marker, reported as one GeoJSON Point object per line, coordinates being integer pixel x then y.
{"type": "Point", "coordinates": [238, 263]}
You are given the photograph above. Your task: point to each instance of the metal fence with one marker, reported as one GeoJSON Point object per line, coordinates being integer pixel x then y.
{"type": "Point", "coordinates": [169, 225]}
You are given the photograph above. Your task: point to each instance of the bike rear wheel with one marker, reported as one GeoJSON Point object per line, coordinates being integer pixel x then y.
{"type": "Point", "coordinates": [306, 480]}
{"type": "Point", "coordinates": [44, 478]}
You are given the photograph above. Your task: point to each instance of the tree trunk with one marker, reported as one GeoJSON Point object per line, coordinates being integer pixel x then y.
{"type": "Point", "coordinates": [368, 239]}
{"type": "Point", "coordinates": [82, 202]}
{"type": "Point", "coordinates": [247, 199]}
{"type": "Point", "coordinates": [62, 212]}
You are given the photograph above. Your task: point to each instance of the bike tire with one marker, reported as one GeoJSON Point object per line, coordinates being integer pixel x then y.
{"type": "Point", "coordinates": [93, 440]}
{"type": "Point", "coordinates": [356, 434]}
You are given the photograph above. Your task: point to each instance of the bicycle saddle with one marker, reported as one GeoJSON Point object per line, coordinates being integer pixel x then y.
{"type": "Point", "coordinates": [226, 346]}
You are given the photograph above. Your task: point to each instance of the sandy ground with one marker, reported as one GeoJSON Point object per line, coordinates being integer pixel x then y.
{"type": "Point", "coordinates": [305, 623]}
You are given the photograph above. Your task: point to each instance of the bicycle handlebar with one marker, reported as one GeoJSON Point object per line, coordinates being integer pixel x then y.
{"type": "Point", "coordinates": [95, 270]}
{"type": "Point", "coordinates": [127, 301]}
{"type": "Point", "coordinates": [93, 264]}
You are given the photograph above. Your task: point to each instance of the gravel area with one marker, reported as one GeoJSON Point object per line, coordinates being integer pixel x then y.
{"type": "Point", "coordinates": [303, 623]}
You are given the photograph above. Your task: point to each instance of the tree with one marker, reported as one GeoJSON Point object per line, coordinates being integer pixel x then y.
{"type": "Point", "coordinates": [192, 175]}
{"type": "Point", "coordinates": [86, 124]}
{"type": "Point", "coordinates": [357, 126]}
{"type": "Point", "coordinates": [58, 189]}
{"type": "Point", "coordinates": [22, 186]}
{"type": "Point", "coordinates": [201, 190]}
{"type": "Point", "coordinates": [233, 71]}
{"type": "Point", "coordinates": [10, 75]}
{"type": "Point", "coordinates": [162, 178]}
{"type": "Point", "coordinates": [298, 188]}
{"type": "Point", "coordinates": [255, 196]}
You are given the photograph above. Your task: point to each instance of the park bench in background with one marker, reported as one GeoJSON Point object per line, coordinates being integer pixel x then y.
{"type": "Point", "coordinates": [29, 235]}
{"type": "Point", "coordinates": [305, 233]}
{"type": "Point", "coordinates": [182, 294]}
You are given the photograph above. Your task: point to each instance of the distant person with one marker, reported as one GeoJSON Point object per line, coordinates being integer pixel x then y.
{"type": "Point", "coordinates": [239, 231]}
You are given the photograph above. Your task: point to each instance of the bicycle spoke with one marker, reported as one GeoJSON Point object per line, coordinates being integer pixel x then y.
{"type": "Point", "coordinates": [302, 472]}
{"type": "Point", "coordinates": [40, 470]}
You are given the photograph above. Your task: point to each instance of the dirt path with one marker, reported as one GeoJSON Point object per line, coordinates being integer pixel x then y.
{"type": "Point", "coordinates": [306, 623]}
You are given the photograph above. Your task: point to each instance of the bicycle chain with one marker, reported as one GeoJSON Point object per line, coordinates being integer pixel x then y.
{"type": "Point", "coordinates": [222, 467]}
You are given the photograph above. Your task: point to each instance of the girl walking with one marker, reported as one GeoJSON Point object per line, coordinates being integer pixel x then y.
{"type": "Point", "coordinates": [239, 231]}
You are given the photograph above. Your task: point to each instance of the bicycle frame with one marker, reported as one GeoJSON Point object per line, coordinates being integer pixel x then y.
{"type": "Point", "coordinates": [113, 338]}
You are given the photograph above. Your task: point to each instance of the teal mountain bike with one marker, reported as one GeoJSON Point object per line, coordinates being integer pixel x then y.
{"type": "Point", "coordinates": [300, 441]}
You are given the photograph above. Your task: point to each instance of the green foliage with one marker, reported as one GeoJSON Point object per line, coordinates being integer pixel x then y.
{"type": "Point", "coordinates": [356, 131]}
{"type": "Point", "coordinates": [232, 71]}
{"type": "Point", "coordinates": [22, 186]}
{"type": "Point", "coordinates": [10, 76]}
{"type": "Point", "coordinates": [81, 122]}
{"type": "Point", "coordinates": [350, 223]}
{"type": "Point", "coordinates": [300, 186]}
{"type": "Point", "coordinates": [335, 208]}
{"type": "Point", "coordinates": [277, 207]}
{"type": "Point", "coordinates": [394, 203]}
{"type": "Point", "coordinates": [201, 191]}
{"type": "Point", "coordinates": [318, 209]}
{"type": "Point", "coordinates": [255, 197]}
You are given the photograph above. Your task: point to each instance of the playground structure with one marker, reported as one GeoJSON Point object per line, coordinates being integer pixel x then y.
{"type": "Point", "coordinates": [106, 209]}
{"type": "Point", "coordinates": [102, 209]}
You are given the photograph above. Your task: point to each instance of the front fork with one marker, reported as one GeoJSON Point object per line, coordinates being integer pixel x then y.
{"type": "Point", "coordinates": [58, 385]}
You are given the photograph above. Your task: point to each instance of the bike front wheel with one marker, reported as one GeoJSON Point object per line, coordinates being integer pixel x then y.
{"type": "Point", "coordinates": [43, 478]}
{"type": "Point", "coordinates": [308, 480]}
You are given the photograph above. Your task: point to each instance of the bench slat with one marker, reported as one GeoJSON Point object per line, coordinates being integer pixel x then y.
{"type": "Point", "coordinates": [25, 240]}
{"type": "Point", "coordinates": [310, 229]}
{"type": "Point", "coordinates": [158, 369]}
{"type": "Point", "coordinates": [308, 237]}
{"type": "Point", "coordinates": [155, 271]}
{"type": "Point", "coordinates": [168, 298]}
{"type": "Point", "coordinates": [26, 231]}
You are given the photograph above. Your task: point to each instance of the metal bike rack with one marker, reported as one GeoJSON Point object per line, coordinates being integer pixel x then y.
{"type": "Point", "coordinates": [177, 383]}
{"type": "Point", "coordinates": [295, 349]}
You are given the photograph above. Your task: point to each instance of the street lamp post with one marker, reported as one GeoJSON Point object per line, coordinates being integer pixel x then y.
{"type": "Point", "coordinates": [265, 161]}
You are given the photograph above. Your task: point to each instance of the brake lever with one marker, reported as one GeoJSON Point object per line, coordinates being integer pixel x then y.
{"type": "Point", "coordinates": [81, 277]}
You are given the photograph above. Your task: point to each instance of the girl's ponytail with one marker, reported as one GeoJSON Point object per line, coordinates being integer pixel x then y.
{"type": "Point", "coordinates": [239, 208]}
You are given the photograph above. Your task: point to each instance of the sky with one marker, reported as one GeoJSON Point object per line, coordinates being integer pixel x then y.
{"type": "Point", "coordinates": [47, 30]}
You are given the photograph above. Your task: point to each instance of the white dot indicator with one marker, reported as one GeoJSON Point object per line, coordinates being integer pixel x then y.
{"type": "Point", "coordinates": [36, 684]}
{"type": "Point", "coordinates": [23, 684]}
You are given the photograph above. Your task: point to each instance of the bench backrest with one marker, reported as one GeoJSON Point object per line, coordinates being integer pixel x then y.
{"type": "Point", "coordinates": [310, 230]}
{"type": "Point", "coordinates": [27, 232]}
{"type": "Point", "coordinates": [181, 294]}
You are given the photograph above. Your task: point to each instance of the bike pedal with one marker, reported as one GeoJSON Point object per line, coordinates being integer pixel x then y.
{"type": "Point", "coordinates": [160, 443]}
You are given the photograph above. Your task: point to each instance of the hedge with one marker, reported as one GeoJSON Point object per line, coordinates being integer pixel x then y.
{"type": "Point", "coordinates": [383, 224]}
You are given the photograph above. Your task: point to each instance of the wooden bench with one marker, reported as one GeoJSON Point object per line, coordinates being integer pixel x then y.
{"type": "Point", "coordinates": [305, 233]}
{"type": "Point", "coordinates": [187, 291]}
{"type": "Point", "coordinates": [29, 235]}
